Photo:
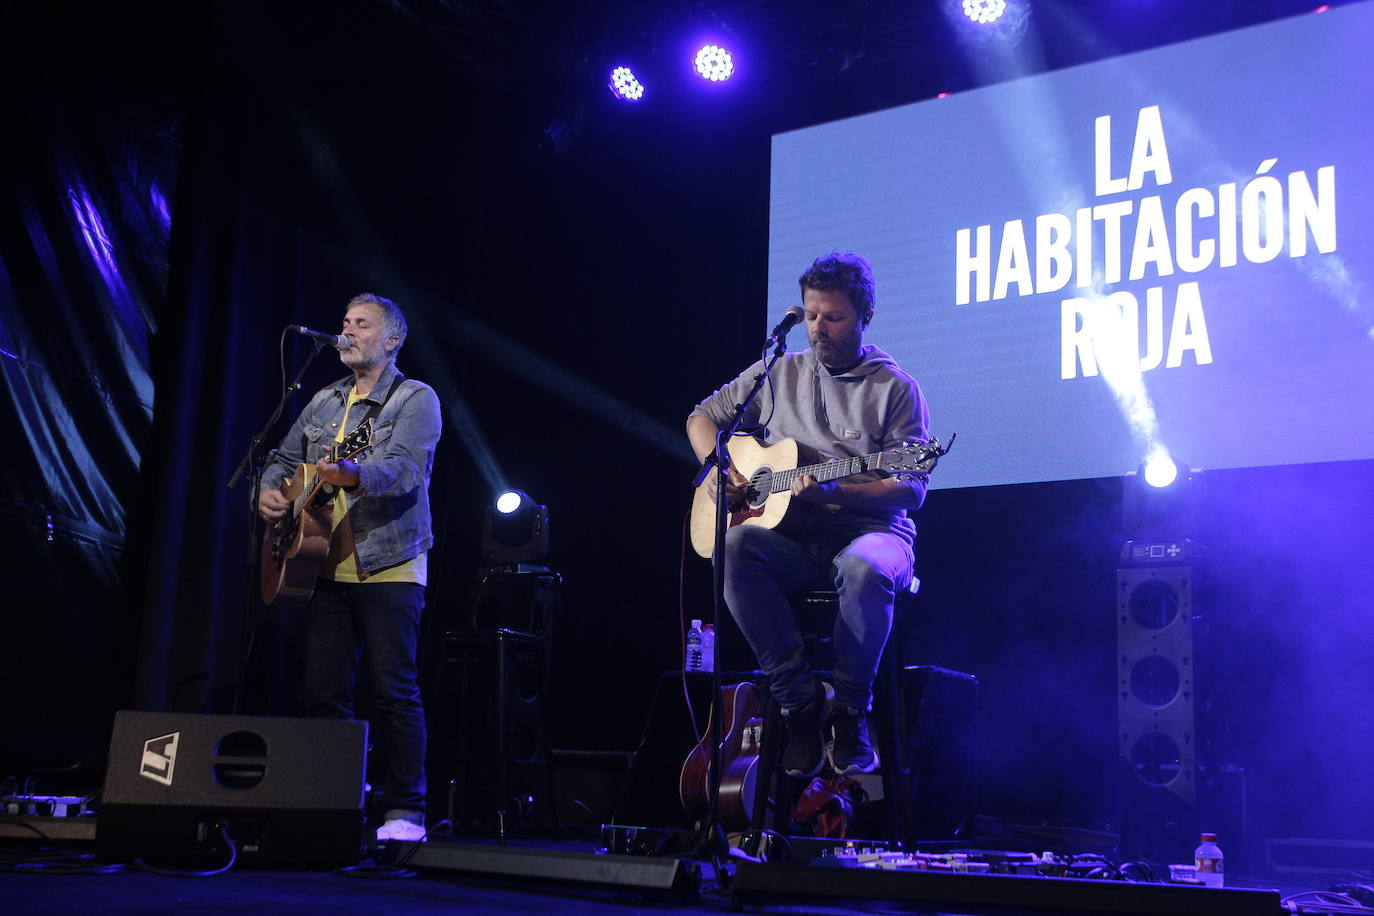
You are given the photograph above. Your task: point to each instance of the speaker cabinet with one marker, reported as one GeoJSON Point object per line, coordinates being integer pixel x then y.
{"type": "Point", "coordinates": [1156, 709]}
{"type": "Point", "coordinates": [288, 791]}
{"type": "Point", "coordinates": [942, 752]}
{"type": "Point", "coordinates": [492, 688]}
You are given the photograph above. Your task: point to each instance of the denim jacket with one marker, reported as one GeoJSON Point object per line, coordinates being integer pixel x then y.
{"type": "Point", "coordinates": [389, 507]}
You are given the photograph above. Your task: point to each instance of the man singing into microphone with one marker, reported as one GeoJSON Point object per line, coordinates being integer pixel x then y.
{"type": "Point", "coordinates": [839, 399]}
{"type": "Point", "coordinates": [371, 592]}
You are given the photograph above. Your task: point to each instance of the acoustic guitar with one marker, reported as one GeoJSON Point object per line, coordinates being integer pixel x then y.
{"type": "Point", "coordinates": [769, 472]}
{"type": "Point", "coordinates": [295, 545]}
{"type": "Point", "coordinates": [740, 744]}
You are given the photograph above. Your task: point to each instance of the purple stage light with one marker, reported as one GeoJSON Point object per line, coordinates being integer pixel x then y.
{"type": "Point", "coordinates": [626, 85]}
{"type": "Point", "coordinates": [984, 11]}
{"type": "Point", "coordinates": [714, 63]}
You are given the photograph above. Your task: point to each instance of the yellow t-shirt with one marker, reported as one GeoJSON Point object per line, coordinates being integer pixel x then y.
{"type": "Point", "coordinates": [342, 563]}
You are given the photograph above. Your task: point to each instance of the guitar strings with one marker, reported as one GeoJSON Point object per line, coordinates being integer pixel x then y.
{"type": "Point", "coordinates": [829, 470]}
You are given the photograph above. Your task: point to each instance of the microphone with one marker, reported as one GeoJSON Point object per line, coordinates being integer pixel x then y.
{"type": "Point", "coordinates": [337, 341]}
{"type": "Point", "coordinates": [794, 316]}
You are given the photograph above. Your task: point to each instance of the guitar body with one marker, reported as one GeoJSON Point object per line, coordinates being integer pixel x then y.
{"type": "Point", "coordinates": [294, 547]}
{"type": "Point", "coordinates": [769, 472]}
{"type": "Point", "coordinates": [756, 463]}
{"type": "Point", "coordinates": [739, 778]}
{"type": "Point", "coordinates": [741, 739]}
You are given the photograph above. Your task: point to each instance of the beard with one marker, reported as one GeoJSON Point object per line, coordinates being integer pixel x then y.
{"type": "Point", "coordinates": [360, 360]}
{"type": "Point", "coordinates": [838, 351]}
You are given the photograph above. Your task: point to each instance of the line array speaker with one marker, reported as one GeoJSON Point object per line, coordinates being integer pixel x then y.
{"type": "Point", "coordinates": [1155, 702]}
{"type": "Point", "coordinates": [1157, 711]}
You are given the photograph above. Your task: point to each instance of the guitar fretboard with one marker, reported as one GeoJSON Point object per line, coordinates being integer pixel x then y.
{"type": "Point", "coordinates": [307, 495]}
{"type": "Point", "coordinates": [826, 470]}
{"type": "Point", "coordinates": [352, 444]}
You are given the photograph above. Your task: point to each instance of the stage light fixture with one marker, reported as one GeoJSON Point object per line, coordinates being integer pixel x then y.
{"type": "Point", "coordinates": [509, 501]}
{"type": "Point", "coordinates": [625, 85]}
{"type": "Point", "coordinates": [984, 11]}
{"type": "Point", "coordinates": [1159, 470]}
{"type": "Point", "coordinates": [1162, 499]}
{"type": "Point", "coordinates": [714, 63]}
{"type": "Point", "coordinates": [515, 533]}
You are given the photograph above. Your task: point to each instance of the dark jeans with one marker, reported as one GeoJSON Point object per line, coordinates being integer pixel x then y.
{"type": "Point", "coordinates": [866, 568]}
{"type": "Point", "coordinates": [379, 625]}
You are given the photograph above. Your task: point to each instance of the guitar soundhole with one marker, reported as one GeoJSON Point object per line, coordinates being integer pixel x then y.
{"type": "Point", "coordinates": [760, 485]}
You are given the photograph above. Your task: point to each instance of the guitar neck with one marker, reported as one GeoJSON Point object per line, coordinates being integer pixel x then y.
{"type": "Point", "coordinates": [354, 444]}
{"type": "Point", "coordinates": [308, 495]}
{"type": "Point", "coordinates": [827, 470]}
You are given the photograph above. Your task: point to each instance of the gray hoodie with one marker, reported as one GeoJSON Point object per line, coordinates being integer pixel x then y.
{"type": "Point", "coordinates": [872, 407]}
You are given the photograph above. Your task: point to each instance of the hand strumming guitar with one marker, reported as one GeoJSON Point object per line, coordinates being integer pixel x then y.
{"type": "Point", "coordinates": [734, 487]}
{"type": "Point", "coordinates": [272, 505]}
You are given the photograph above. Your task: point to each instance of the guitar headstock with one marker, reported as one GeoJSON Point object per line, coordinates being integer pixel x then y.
{"type": "Point", "coordinates": [354, 444]}
{"type": "Point", "coordinates": [918, 456]}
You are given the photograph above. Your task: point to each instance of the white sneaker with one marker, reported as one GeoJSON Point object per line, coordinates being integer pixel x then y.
{"type": "Point", "coordinates": [401, 831]}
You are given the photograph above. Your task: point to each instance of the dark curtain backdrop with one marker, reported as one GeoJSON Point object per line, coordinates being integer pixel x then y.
{"type": "Point", "coordinates": [185, 179]}
{"type": "Point", "coordinates": [91, 165]}
{"type": "Point", "coordinates": [310, 152]}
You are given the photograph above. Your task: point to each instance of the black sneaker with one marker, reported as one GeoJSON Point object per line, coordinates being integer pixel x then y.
{"type": "Point", "coordinates": [805, 751]}
{"type": "Point", "coordinates": [849, 749]}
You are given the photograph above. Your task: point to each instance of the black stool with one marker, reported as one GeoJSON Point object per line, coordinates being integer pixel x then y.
{"type": "Point", "coordinates": [899, 690]}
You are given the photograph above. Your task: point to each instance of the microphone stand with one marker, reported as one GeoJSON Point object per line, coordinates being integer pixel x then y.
{"type": "Point", "coordinates": [712, 841]}
{"type": "Point", "coordinates": [252, 571]}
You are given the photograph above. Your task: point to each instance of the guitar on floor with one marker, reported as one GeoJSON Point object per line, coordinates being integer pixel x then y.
{"type": "Point", "coordinates": [740, 743]}
{"type": "Point", "coordinates": [295, 545]}
{"type": "Point", "coordinates": [770, 470]}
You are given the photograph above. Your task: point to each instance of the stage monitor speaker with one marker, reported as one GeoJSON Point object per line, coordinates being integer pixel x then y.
{"type": "Point", "coordinates": [288, 791]}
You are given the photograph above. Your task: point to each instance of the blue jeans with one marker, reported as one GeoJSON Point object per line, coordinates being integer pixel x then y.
{"type": "Point", "coordinates": [377, 624]}
{"type": "Point", "coordinates": [865, 568]}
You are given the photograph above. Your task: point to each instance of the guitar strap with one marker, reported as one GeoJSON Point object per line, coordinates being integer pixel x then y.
{"type": "Point", "coordinates": [377, 406]}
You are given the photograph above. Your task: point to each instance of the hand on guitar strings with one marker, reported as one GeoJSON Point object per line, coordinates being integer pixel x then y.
{"type": "Point", "coordinates": [808, 488]}
{"type": "Point", "coordinates": [734, 487]}
{"type": "Point", "coordinates": [343, 474]}
{"type": "Point", "coordinates": [272, 504]}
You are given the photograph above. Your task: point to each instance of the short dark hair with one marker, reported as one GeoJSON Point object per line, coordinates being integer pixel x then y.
{"type": "Point", "coordinates": [843, 271]}
{"type": "Point", "coordinates": [393, 320]}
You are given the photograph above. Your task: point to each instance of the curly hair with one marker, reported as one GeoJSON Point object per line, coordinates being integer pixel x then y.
{"type": "Point", "coordinates": [393, 320]}
{"type": "Point", "coordinates": [843, 271]}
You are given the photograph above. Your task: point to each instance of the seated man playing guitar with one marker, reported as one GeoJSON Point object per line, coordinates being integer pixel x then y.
{"type": "Point", "coordinates": [838, 400]}
{"type": "Point", "coordinates": [370, 594]}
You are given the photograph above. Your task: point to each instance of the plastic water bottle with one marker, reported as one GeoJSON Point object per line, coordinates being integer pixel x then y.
{"type": "Point", "coordinates": [1207, 860]}
{"type": "Point", "coordinates": [696, 640]}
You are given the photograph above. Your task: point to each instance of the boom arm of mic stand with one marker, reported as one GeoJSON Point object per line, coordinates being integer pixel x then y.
{"type": "Point", "coordinates": [720, 458]}
{"type": "Point", "coordinates": [256, 441]}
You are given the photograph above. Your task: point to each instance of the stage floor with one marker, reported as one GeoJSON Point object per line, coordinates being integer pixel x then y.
{"type": "Point", "coordinates": [265, 891]}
